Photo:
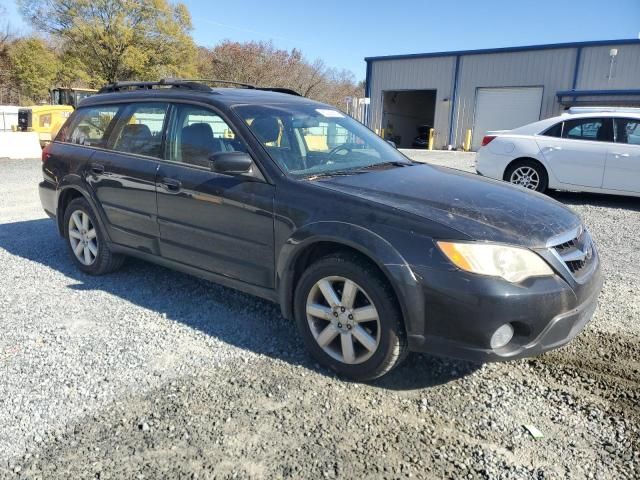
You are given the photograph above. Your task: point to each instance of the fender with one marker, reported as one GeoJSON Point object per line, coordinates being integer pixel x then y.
{"type": "Point", "coordinates": [370, 244]}
{"type": "Point", "coordinates": [76, 182]}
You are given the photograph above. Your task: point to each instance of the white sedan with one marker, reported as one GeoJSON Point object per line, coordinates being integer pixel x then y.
{"type": "Point", "coordinates": [596, 151]}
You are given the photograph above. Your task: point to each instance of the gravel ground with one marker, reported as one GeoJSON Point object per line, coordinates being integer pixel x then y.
{"type": "Point", "coordinates": [148, 373]}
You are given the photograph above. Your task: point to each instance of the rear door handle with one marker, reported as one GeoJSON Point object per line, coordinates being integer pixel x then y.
{"type": "Point", "coordinates": [171, 184]}
{"type": "Point", "coordinates": [97, 168]}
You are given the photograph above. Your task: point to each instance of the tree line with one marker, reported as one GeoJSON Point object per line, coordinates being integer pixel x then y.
{"type": "Point", "coordinates": [88, 43]}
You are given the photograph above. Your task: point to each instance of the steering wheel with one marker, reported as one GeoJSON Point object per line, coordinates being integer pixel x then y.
{"type": "Point", "coordinates": [334, 151]}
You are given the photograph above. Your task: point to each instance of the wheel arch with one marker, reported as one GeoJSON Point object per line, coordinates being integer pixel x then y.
{"type": "Point", "coordinates": [66, 194]}
{"type": "Point", "coordinates": [318, 240]}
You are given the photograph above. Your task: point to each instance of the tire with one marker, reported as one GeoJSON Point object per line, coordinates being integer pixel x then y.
{"type": "Point", "coordinates": [372, 355]}
{"type": "Point", "coordinates": [528, 174]}
{"type": "Point", "coordinates": [100, 259]}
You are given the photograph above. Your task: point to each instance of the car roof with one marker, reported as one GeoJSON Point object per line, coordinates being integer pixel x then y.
{"type": "Point", "coordinates": [215, 96]}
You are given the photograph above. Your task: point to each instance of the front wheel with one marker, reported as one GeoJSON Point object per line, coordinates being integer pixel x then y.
{"type": "Point", "coordinates": [349, 318]}
{"type": "Point", "coordinates": [528, 174]}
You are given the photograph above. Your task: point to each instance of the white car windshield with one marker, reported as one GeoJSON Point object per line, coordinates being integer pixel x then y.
{"type": "Point", "coordinates": [312, 140]}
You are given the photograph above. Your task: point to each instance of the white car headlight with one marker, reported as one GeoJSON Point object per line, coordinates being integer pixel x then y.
{"type": "Point", "coordinates": [514, 264]}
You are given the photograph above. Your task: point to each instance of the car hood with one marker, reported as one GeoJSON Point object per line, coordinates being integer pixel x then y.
{"type": "Point", "coordinates": [483, 209]}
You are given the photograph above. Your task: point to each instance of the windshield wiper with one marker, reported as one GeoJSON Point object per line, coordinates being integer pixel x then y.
{"type": "Point", "coordinates": [385, 164]}
{"type": "Point", "coordinates": [357, 170]}
{"type": "Point", "coordinates": [337, 173]}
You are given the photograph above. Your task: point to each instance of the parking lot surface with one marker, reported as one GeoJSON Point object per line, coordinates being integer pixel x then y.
{"type": "Point", "coordinates": [149, 373]}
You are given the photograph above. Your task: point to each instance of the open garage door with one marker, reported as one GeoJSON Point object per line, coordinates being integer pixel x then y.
{"type": "Point", "coordinates": [504, 109]}
{"type": "Point", "coordinates": [407, 114]}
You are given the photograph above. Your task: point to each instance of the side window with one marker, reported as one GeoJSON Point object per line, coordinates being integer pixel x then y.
{"type": "Point", "coordinates": [555, 131]}
{"type": "Point", "coordinates": [595, 129]}
{"type": "Point", "coordinates": [90, 126]}
{"type": "Point", "coordinates": [139, 129]}
{"type": "Point", "coordinates": [198, 133]}
{"type": "Point", "coordinates": [628, 131]}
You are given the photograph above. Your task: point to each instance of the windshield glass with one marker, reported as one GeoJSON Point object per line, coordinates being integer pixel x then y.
{"type": "Point", "coordinates": [309, 140]}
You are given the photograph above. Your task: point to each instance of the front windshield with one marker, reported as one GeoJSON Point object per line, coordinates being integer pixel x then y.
{"type": "Point", "coordinates": [309, 140]}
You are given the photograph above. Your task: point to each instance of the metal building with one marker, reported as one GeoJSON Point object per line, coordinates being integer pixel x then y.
{"type": "Point", "coordinates": [495, 89]}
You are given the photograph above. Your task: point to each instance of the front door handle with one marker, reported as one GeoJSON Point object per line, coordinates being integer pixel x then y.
{"type": "Point", "coordinates": [97, 168]}
{"type": "Point", "coordinates": [621, 154]}
{"type": "Point", "coordinates": [171, 184]}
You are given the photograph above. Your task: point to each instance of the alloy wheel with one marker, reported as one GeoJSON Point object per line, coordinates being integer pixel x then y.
{"type": "Point", "coordinates": [343, 320]}
{"type": "Point", "coordinates": [83, 237]}
{"type": "Point", "coordinates": [526, 177]}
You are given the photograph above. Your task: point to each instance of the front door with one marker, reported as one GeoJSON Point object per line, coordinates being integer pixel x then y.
{"type": "Point", "coordinates": [123, 174]}
{"type": "Point", "coordinates": [622, 171]}
{"type": "Point", "coordinates": [579, 156]}
{"type": "Point", "coordinates": [215, 222]}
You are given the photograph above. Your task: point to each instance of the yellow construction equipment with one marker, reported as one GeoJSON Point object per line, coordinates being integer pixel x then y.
{"type": "Point", "coordinates": [46, 120]}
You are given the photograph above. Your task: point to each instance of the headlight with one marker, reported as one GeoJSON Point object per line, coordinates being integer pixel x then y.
{"type": "Point", "coordinates": [511, 263]}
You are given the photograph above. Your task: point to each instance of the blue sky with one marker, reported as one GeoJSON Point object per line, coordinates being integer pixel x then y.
{"type": "Point", "coordinates": [343, 32]}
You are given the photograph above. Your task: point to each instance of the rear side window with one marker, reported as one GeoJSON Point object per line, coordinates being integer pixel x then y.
{"type": "Point", "coordinates": [139, 129]}
{"type": "Point", "coordinates": [628, 131]}
{"type": "Point", "coordinates": [555, 131]}
{"type": "Point", "coordinates": [90, 126]}
{"type": "Point", "coordinates": [594, 129]}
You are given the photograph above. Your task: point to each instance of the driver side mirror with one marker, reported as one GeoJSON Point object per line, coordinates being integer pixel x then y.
{"type": "Point", "coordinates": [231, 163]}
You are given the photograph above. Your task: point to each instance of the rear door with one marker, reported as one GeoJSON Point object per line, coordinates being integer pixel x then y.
{"type": "Point", "coordinates": [622, 171]}
{"type": "Point", "coordinates": [578, 156]}
{"type": "Point", "coordinates": [215, 222]}
{"type": "Point", "coordinates": [123, 174]}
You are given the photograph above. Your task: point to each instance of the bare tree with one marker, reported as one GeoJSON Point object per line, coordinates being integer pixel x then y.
{"type": "Point", "coordinates": [260, 63]}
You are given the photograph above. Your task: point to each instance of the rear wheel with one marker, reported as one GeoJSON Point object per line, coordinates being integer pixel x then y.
{"type": "Point", "coordinates": [349, 318]}
{"type": "Point", "coordinates": [528, 174]}
{"type": "Point", "coordinates": [86, 241]}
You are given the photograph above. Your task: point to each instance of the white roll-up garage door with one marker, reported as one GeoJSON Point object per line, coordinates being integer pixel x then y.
{"type": "Point", "coordinates": [504, 109]}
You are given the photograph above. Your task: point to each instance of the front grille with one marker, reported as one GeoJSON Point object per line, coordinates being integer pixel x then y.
{"type": "Point", "coordinates": [575, 250]}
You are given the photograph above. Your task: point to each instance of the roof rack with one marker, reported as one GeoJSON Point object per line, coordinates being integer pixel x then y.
{"type": "Point", "coordinates": [189, 84]}
{"type": "Point", "coordinates": [288, 91]}
{"type": "Point", "coordinates": [165, 82]}
{"type": "Point", "coordinates": [608, 109]}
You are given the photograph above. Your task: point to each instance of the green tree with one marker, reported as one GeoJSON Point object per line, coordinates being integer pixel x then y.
{"type": "Point", "coordinates": [119, 39]}
{"type": "Point", "coordinates": [33, 68]}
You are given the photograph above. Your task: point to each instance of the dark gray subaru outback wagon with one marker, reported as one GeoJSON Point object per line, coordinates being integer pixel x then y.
{"type": "Point", "coordinates": [291, 200]}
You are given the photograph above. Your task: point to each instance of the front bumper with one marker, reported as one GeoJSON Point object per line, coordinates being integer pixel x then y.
{"type": "Point", "coordinates": [462, 311]}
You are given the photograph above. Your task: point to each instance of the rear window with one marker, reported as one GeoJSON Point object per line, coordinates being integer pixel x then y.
{"type": "Point", "coordinates": [90, 126]}
{"type": "Point", "coordinates": [555, 131]}
{"type": "Point", "coordinates": [139, 129]}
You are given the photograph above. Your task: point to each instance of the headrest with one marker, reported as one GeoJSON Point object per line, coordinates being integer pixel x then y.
{"type": "Point", "coordinates": [267, 129]}
{"type": "Point", "coordinates": [136, 130]}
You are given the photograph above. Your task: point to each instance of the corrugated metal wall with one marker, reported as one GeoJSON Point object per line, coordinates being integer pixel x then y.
{"type": "Point", "coordinates": [593, 73]}
{"type": "Point", "coordinates": [422, 74]}
{"type": "Point", "coordinates": [551, 68]}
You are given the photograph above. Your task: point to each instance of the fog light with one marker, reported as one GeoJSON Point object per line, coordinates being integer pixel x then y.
{"type": "Point", "coordinates": [502, 336]}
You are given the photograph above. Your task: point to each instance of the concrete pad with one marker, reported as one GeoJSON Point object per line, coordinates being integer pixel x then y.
{"type": "Point", "coordinates": [20, 145]}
